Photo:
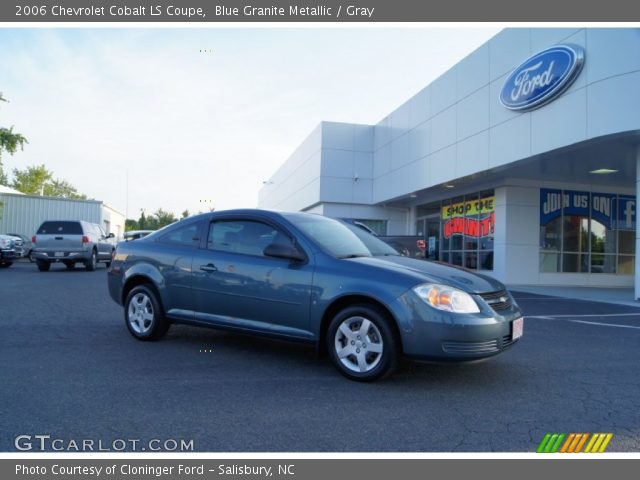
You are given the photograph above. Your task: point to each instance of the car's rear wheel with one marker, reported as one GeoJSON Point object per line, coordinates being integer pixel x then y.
{"type": "Point", "coordinates": [43, 266]}
{"type": "Point", "coordinates": [143, 314]}
{"type": "Point", "coordinates": [91, 263]}
{"type": "Point", "coordinates": [362, 344]}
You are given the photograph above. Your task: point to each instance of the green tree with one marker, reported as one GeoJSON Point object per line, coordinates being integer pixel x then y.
{"type": "Point", "coordinates": [62, 188]}
{"type": "Point", "coordinates": [142, 222]}
{"type": "Point", "coordinates": [131, 224]}
{"type": "Point", "coordinates": [38, 180]}
{"type": "Point", "coordinates": [163, 218]}
{"type": "Point", "coordinates": [185, 214]}
{"type": "Point", "coordinates": [10, 141]}
{"type": "Point", "coordinates": [31, 180]}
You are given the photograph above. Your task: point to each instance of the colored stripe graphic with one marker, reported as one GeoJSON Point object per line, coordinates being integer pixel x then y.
{"type": "Point", "coordinates": [574, 442]}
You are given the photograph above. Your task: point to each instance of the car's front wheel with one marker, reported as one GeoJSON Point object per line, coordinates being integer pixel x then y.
{"type": "Point", "coordinates": [362, 344]}
{"type": "Point", "coordinates": [143, 314]}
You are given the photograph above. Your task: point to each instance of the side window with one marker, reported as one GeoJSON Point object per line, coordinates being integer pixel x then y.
{"type": "Point", "coordinates": [189, 235]}
{"type": "Point", "coordinates": [247, 237]}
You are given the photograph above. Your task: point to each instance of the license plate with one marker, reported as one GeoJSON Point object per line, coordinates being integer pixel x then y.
{"type": "Point", "coordinates": [58, 254]}
{"type": "Point", "coordinates": [517, 329]}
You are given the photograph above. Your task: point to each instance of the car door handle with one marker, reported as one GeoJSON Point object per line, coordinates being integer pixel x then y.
{"type": "Point", "coordinates": [210, 267]}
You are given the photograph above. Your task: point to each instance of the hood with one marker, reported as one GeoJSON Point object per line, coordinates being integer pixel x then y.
{"type": "Point", "coordinates": [436, 272]}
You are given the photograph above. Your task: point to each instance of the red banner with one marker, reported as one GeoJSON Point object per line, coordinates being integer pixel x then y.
{"type": "Point", "coordinates": [470, 226]}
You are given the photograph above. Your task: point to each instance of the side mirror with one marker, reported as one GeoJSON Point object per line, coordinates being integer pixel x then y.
{"type": "Point", "coordinates": [111, 235]}
{"type": "Point", "coordinates": [280, 250]}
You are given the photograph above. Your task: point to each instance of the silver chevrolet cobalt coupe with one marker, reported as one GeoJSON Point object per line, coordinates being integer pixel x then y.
{"type": "Point", "coordinates": [309, 278]}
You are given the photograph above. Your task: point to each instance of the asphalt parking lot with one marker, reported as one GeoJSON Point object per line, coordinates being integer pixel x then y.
{"type": "Point", "coordinates": [70, 369]}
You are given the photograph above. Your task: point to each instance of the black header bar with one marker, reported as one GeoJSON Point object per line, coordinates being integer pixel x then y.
{"type": "Point", "coordinates": [318, 11]}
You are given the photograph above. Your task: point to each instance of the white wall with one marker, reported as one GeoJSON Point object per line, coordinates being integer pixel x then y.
{"type": "Point", "coordinates": [25, 213]}
{"type": "Point", "coordinates": [456, 127]}
{"type": "Point", "coordinates": [296, 184]}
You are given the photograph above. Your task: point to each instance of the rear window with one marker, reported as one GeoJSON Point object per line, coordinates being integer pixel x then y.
{"type": "Point", "coordinates": [55, 228]}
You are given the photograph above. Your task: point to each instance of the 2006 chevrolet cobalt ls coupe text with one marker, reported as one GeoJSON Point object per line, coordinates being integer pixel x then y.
{"type": "Point", "coordinates": [310, 278]}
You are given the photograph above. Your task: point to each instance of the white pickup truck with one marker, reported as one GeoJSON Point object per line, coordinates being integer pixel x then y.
{"type": "Point", "coordinates": [7, 251]}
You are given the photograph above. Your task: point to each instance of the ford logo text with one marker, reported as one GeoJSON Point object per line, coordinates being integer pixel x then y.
{"type": "Point", "coordinates": [542, 77]}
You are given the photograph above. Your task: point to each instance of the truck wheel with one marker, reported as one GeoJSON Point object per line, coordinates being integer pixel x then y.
{"type": "Point", "coordinates": [43, 266]}
{"type": "Point", "coordinates": [90, 264]}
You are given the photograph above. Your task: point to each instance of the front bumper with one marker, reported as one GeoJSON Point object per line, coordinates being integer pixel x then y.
{"type": "Point", "coordinates": [8, 254]}
{"type": "Point", "coordinates": [431, 334]}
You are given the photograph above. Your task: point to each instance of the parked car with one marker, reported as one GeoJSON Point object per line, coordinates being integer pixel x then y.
{"type": "Point", "coordinates": [23, 245]}
{"type": "Point", "coordinates": [71, 242]}
{"type": "Point", "coordinates": [7, 251]}
{"type": "Point", "coordinates": [136, 234]}
{"type": "Point", "coordinates": [313, 279]}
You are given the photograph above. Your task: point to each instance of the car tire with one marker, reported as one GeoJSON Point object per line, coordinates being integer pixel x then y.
{"type": "Point", "coordinates": [31, 259]}
{"type": "Point", "coordinates": [43, 266]}
{"type": "Point", "coordinates": [107, 264]}
{"type": "Point", "coordinates": [70, 265]}
{"type": "Point", "coordinates": [5, 264]}
{"type": "Point", "coordinates": [143, 314]}
{"type": "Point", "coordinates": [91, 263]}
{"type": "Point", "coordinates": [362, 343]}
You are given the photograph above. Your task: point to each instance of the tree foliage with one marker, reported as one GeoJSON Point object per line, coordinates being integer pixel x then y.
{"type": "Point", "coordinates": [38, 180]}
{"type": "Point", "coordinates": [10, 142]}
{"type": "Point", "coordinates": [160, 218]}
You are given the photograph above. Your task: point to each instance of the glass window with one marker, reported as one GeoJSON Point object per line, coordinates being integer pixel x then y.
{"type": "Point", "coordinates": [589, 241]}
{"type": "Point", "coordinates": [551, 235]}
{"type": "Point", "coordinates": [187, 235]}
{"type": "Point", "coordinates": [465, 226]}
{"type": "Point", "coordinates": [246, 237]}
{"type": "Point", "coordinates": [603, 263]}
{"type": "Point", "coordinates": [603, 239]}
{"type": "Point", "coordinates": [575, 263]}
{"type": "Point", "coordinates": [456, 258]}
{"type": "Point", "coordinates": [58, 228]}
{"type": "Point", "coordinates": [379, 227]}
{"type": "Point", "coordinates": [575, 234]}
{"type": "Point", "coordinates": [626, 241]}
{"type": "Point", "coordinates": [486, 261]}
{"type": "Point", "coordinates": [550, 262]}
{"type": "Point", "coordinates": [626, 264]}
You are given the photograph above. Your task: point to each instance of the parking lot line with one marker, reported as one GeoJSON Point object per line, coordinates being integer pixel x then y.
{"type": "Point", "coordinates": [605, 324]}
{"type": "Point", "coordinates": [573, 319]}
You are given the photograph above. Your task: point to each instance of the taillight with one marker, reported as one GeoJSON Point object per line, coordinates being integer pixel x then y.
{"type": "Point", "coordinates": [33, 239]}
{"type": "Point", "coordinates": [85, 239]}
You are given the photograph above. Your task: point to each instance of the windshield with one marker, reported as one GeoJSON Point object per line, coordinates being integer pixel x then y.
{"type": "Point", "coordinates": [376, 246]}
{"type": "Point", "coordinates": [339, 239]}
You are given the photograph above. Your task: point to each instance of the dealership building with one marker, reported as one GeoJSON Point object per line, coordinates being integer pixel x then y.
{"type": "Point", "coordinates": [522, 161]}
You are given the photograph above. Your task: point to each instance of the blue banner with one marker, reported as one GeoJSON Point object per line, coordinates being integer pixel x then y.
{"type": "Point", "coordinates": [626, 213]}
{"type": "Point", "coordinates": [611, 210]}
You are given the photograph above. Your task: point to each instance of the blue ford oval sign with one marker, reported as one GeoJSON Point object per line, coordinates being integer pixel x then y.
{"type": "Point", "coordinates": [541, 78]}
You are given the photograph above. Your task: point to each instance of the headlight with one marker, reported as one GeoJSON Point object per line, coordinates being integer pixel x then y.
{"type": "Point", "coordinates": [446, 298]}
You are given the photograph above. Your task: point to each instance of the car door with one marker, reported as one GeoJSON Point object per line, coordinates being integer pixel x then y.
{"type": "Point", "coordinates": [102, 245]}
{"type": "Point", "coordinates": [236, 285]}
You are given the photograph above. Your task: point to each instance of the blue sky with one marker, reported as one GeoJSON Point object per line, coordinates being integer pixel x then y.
{"type": "Point", "coordinates": [202, 113]}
